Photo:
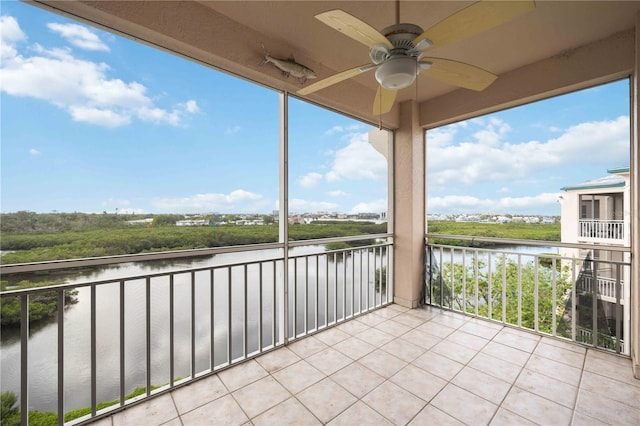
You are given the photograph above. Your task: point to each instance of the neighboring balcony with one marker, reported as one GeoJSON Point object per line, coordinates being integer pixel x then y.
{"type": "Point", "coordinates": [602, 230]}
{"type": "Point", "coordinates": [605, 289]}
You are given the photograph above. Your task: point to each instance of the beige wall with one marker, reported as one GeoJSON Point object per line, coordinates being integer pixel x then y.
{"type": "Point", "coordinates": [409, 200]}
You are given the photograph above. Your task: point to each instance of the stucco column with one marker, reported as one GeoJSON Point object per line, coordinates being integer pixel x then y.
{"type": "Point", "coordinates": [635, 207]}
{"type": "Point", "coordinates": [408, 213]}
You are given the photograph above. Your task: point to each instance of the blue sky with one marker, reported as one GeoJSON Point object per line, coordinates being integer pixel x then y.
{"type": "Point", "coordinates": [94, 122]}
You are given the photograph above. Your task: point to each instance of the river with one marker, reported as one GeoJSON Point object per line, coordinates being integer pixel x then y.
{"type": "Point", "coordinates": [43, 361]}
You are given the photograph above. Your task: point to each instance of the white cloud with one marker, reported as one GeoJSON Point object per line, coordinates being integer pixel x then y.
{"type": "Point", "coordinates": [344, 129]}
{"type": "Point", "coordinates": [310, 180]}
{"type": "Point", "coordinates": [236, 201]}
{"type": "Point", "coordinates": [80, 87]}
{"type": "Point", "coordinates": [375, 206]}
{"type": "Point", "coordinates": [10, 35]}
{"type": "Point", "coordinates": [337, 193]}
{"type": "Point", "coordinates": [490, 159]}
{"type": "Point", "coordinates": [541, 203]}
{"type": "Point", "coordinates": [34, 151]}
{"type": "Point", "coordinates": [358, 160]}
{"type": "Point", "coordinates": [503, 190]}
{"type": "Point", "coordinates": [493, 133]}
{"type": "Point", "coordinates": [192, 107]}
{"type": "Point", "coordinates": [79, 36]}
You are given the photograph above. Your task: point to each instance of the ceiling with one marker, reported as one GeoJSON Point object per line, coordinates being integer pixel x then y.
{"type": "Point", "coordinates": [230, 34]}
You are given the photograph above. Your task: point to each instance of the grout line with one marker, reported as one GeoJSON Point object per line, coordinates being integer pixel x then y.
{"type": "Point", "coordinates": [575, 401]}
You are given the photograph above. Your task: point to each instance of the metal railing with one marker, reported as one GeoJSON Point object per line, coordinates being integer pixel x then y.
{"type": "Point", "coordinates": [530, 288]}
{"type": "Point", "coordinates": [156, 331]}
{"type": "Point", "coordinates": [603, 229]}
{"type": "Point", "coordinates": [606, 286]}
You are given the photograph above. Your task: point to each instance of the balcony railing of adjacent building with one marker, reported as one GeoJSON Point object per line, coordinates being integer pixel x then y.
{"type": "Point", "coordinates": [527, 287]}
{"type": "Point", "coordinates": [213, 316]}
{"type": "Point", "coordinates": [602, 229]}
{"type": "Point", "coordinates": [606, 287]}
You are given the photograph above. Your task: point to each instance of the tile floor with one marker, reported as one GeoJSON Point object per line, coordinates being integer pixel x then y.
{"type": "Point", "coordinates": [420, 367]}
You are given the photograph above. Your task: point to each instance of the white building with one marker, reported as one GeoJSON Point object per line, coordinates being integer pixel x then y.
{"type": "Point", "coordinates": [597, 212]}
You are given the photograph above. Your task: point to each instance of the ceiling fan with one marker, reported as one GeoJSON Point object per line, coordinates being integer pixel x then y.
{"type": "Point", "coordinates": [397, 51]}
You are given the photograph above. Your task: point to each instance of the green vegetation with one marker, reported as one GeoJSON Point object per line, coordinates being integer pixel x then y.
{"type": "Point", "coordinates": [41, 305]}
{"type": "Point", "coordinates": [463, 295]}
{"type": "Point", "coordinates": [32, 237]}
{"type": "Point", "coordinates": [10, 415]}
{"type": "Point", "coordinates": [40, 237]}
{"type": "Point", "coordinates": [522, 231]}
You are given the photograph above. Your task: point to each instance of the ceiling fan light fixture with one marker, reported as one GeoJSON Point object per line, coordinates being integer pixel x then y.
{"type": "Point", "coordinates": [397, 73]}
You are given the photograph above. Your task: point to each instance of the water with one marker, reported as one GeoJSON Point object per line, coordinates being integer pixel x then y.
{"type": "Point", "coordinates": [43, 360]}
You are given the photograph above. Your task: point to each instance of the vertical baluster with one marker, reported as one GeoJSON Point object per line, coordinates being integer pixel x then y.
{"type": "Point", "coordinates": [295, 297]}
{"type": "Point", "coordinates": [490, 289]}
{"type": "Point", "coordinates": [360, 294]}
{"type": "Point", "coordinates": [229, 319]}
{"type": "Point", "coordinates": [344, 285]}
{"type": "Point", "coordinates": [554, 290]}
{"type": "Point", "coordinates": [326, 290]}
{"type": "Point", "coordinates": [535, 292]}
{"type": "Point", "coordinates": [353, 283]}
{"type": "Point", "coordinates": [306, 294]}
{"type": "Point", "coordinates": [519, 257]}
{"type": "Point", "coordinates": [618, 307]}
{"type": "Point", "coordinates": [594, 305]}
{"type": "Point", "coordinates": [274, 306]}
{"type": "Point", "coordinates": [245, 315]}
{"type": "Point", "coordinates": [212, 352]}
{"type": "Point", "coordinates": [375, 275]}
{"type": "Point", "coordinates": [94, 401]}
{"type": "Point", "coordinates": [60, 357]}
{"type": "Point", "coordinates": [335, 287]}
{"type": "Point", "coordinates": [24, 359]}
{"type": "Point", "coordinates": [122, 345]}
{"type": "Point", "coordinates": [574, 308]}
{"type": "Point", "coordinates": [148, 333]}
{"type": "Point", "coordinates": [475, 280]}
{"type": "Point", "coordinates": [504, 287]}
{"type": "Point", "coordinates": [172, 330]}
{"type": "Point", "coordinates": [260, 309]}
{"type": "Point", "coordinates": [464, 280]}
{"type": "Point", "coordinates": [193, 324]}
{"type": "Point", "coordinates": [317, 292]}
{"type": "Point", "coordinates": [368, 278]}
{"type": "Point", "coordinates": [451, 278]}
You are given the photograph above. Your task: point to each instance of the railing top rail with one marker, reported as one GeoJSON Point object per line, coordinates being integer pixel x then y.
{"type": "Point", "coordinates": [539, 243]}
{"type": "Point", "coordinates": [297, 256]}
{"type": "Point", "coordinates": [551, 256]}
{"type": "Point", "coordinates": [165, 255]}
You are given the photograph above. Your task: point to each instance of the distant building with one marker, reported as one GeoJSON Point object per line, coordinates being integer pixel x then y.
{"type": "Point", "coordinates": [140, 221]}
{"type": "Point", "coordinates": [192, 222]}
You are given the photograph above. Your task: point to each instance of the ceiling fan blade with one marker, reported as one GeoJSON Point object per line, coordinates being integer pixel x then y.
{"type": "Point", "coordinates": [474, 19]}
{"type": "Point", "coordinates": [459, 74]}
{"type": "Point", "coordinates": [336, 78]}
{"type": "Point", "coordinates": [353, 27]}
{"type": "Point", "coordinates": [384, 100]}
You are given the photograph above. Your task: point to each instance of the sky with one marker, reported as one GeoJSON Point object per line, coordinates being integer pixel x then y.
{"type": "Point", "coordinates": [94, 122]}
